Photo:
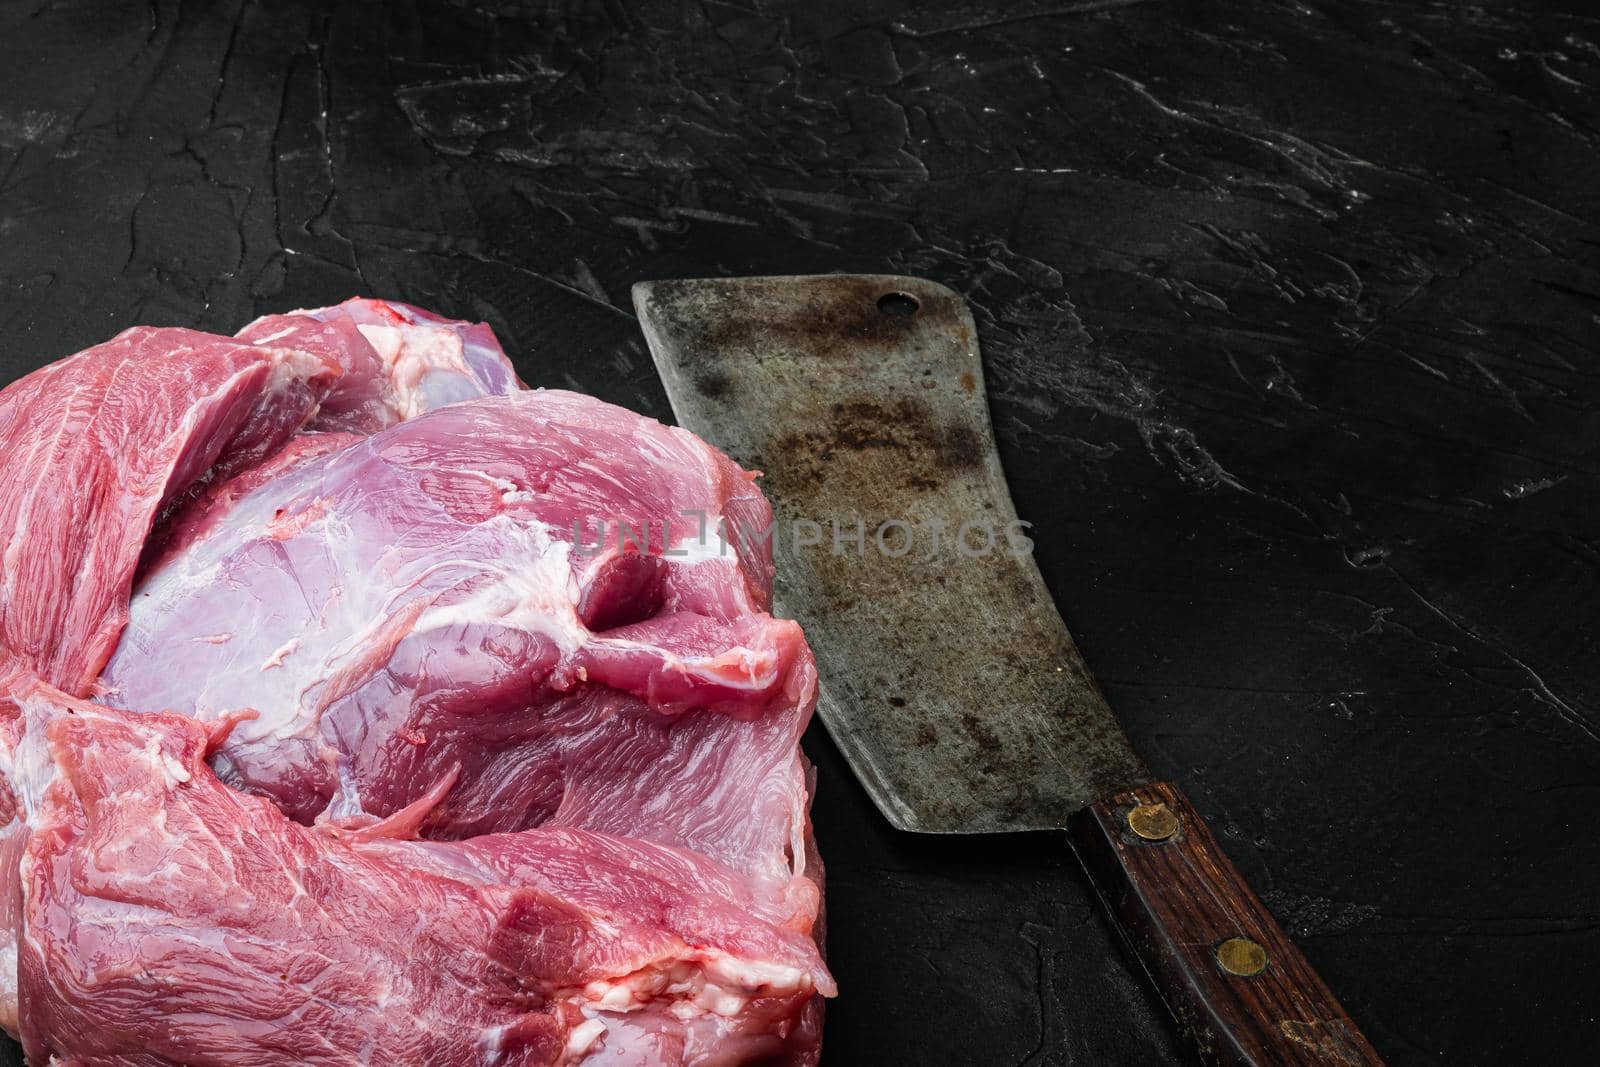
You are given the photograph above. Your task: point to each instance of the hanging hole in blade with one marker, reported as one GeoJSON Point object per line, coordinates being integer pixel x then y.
{"type": "Point", "coordinates": [900, 305]}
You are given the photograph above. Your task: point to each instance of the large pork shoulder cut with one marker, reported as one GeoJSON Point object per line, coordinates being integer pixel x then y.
{"type": "Point", "coordinates": [361, 705]}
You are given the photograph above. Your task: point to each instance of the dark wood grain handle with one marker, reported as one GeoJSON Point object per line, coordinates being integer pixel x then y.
{"type": "Point", "coordinates": [1235, 982]}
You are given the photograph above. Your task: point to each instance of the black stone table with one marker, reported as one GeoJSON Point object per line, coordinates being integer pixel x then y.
{"type": "Point", "coordinates": [1290, 310]}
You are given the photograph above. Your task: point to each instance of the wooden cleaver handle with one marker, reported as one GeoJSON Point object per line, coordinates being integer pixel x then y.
{"type": "Point", "coordinates": [1235, 982]}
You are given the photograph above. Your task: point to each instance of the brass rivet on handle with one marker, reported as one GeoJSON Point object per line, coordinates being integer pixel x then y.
{"type": "Point", "coordinates": [1241, 956]}
{"type": "Point", "coordinates": [1153, 822]}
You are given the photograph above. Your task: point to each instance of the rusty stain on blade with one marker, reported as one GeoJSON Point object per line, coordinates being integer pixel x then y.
{"type": "Point", "coordinates": [948, 678]}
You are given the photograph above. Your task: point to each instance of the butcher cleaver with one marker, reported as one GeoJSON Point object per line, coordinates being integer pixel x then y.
{"type": "Point", "coordinates": [948, 679]}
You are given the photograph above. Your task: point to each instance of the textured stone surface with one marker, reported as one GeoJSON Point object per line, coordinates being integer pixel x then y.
{"type": "Point", "coordinates": [1290, 318]}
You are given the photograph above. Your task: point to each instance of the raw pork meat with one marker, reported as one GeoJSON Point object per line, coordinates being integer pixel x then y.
{"type": "Point", "coordinates": [358, 704]}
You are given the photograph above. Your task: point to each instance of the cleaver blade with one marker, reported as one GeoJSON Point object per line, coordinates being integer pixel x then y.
{"type": "Point", "coordinates": [948, 679]}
